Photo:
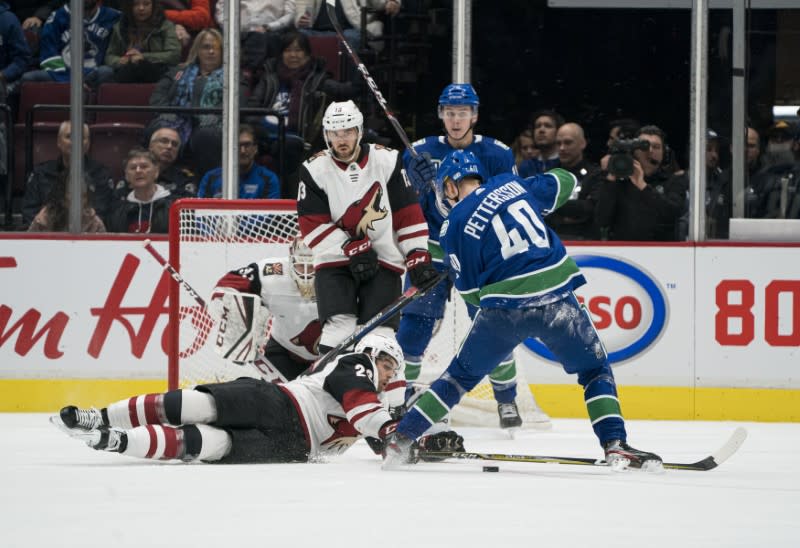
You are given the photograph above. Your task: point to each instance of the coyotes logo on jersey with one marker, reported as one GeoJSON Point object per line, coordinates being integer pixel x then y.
{"type": "Point", "coordinates": [308, 338]}
{"type": "Point", "coordinates": [361, 214]}
{"type": "Point", "coordinates": [344, 435]}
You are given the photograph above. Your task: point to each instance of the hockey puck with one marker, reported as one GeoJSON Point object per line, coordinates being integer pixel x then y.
{"type": "Point", "coordinates": [491, 468]}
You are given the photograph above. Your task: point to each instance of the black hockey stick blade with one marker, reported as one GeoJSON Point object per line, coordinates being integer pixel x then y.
{"type": "Point", "coordinates": [409, 295]}
{"type": "Point", "coordinates": [709, 463]}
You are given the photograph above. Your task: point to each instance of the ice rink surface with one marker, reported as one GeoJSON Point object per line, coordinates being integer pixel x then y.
{"type": "Point", "coordinates": [56, 492]}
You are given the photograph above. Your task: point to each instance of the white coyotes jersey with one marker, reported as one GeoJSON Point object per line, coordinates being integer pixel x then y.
{"type": "Point", "coordinates": [367, 198]}
{"type": "Point", "coordinates": [295, 325]}
{"type": "Point", "coordinates": [339, 403]}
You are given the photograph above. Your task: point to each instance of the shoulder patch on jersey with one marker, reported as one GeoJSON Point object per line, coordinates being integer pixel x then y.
{"type": "Point", "coordinates": [315, 156]}
{"type": "Point", "coordinates": [445, 224]}
{"type": "Point", "coordinates": [271, 269]}
{"type": "Point", "coordinates": [418, 142]}
{"type": "Point", "coordinates": [501, 144]}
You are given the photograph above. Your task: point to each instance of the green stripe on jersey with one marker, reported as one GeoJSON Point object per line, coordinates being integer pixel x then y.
{"type": "Point", "coordinates": [566, 183]}
{"type": "Point", "coordinates": [537, 283]}
{"type": "Point", "coordinates": [431, 407]}
{"type": "Point", "coordinates": [601, 407]}
{"type": "Point", "coordinates": [436, 251]}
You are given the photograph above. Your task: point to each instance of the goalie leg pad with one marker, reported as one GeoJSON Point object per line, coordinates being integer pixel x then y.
{"type": "Point", "coordinates": [240, 325]}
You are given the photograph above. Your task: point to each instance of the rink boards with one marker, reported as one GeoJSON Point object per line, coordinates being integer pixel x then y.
{"type": "Point", "coordinates": [706, 331]}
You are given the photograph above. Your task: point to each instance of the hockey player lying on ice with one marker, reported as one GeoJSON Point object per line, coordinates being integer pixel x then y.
{"type": "Point", "coordinates": [252, 421]}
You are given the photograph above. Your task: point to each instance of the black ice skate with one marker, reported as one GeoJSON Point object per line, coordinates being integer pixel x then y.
{"type": "Point", "coordinates": [620, 455]}
{"type": "Point", "coordinates": [83, 419]}
{"type": "Point", "coordinates": [101, 438]}
{"type": "Point", "coordinates": [509, 415]}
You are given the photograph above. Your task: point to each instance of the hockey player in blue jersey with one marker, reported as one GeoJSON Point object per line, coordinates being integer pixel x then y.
{"type": "Point", "coordinates": [458, 110]}
{"type": "Point", "coordinates": [515, 268]}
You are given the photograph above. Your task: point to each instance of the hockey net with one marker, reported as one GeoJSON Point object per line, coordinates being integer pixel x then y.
{"type": "Point", "coordinates": [209, 237]}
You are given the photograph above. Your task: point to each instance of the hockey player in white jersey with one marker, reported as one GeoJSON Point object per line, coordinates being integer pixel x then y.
{"type": "Point", "coordinates": [514, 267]}
{"type": "Point", "coordinates": [361, 219]}
{"type": "Point", "coordinates": [277, 289]}
{"type": "Point", "coordinates": [249, 420]}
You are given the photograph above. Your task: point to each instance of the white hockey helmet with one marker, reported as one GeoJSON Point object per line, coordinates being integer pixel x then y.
{"type": "Point", "coordinates": [342, 115]}
{"type": "Point", "coordinates": [375, 345]}
{"type": "Point", "coordinates": [302, 270]}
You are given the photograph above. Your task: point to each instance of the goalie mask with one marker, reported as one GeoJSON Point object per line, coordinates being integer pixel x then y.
{"type": "Point", "coordinates": [302, 267]}
{"type": "Point", "coordinates": [381, 346]}
{"type": "Point", "coordinates": [339, 116]}
{"type": "Point", "coordinates": [454, 167]}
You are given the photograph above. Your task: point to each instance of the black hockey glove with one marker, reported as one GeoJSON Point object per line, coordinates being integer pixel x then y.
{"type": "Point", "coordinates": [442, 441]}
{"type": "Point", "coordinates": [421, 172]}
{"type": "Point", "coordinates": [363, 259]}
{"type": "Point", "coordinates": [420, 269]}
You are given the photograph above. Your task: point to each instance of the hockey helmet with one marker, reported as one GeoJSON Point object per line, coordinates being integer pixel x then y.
{"type": "Point", "coordinates": [374, 345]}
{"type": "Point", "coordinates": [302, 267]}
{"type": "Point", "coordinates": [458, 95]}
{"type": "Point", "coordinates": [342, 115]}
{"type": "Point", "coordinates": [457, 165]}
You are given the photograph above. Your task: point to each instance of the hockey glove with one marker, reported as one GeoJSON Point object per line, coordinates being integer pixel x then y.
{"type": "Point", "coordinates": [421, 172]}
{"type": "Point", "coordinates": [375, 444]}
{"type": "Point", "coordinates": [442, 441]}
{"type": "Point", "coordinates": [420, 269]}
{"type": "Point", "coordinates": [363, 259]}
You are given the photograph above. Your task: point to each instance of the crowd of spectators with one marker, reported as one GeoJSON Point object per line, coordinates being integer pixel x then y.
{"type": "Point", "coordinates": [177, 46]}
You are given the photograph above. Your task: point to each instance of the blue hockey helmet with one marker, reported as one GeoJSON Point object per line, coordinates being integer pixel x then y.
{"type": "Point", "coordinates": [459, 95]}
{"type": "Point", "coordinates": [457, 165]}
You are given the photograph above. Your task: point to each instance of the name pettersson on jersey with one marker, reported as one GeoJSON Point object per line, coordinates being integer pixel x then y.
{"type": "Point", "coordinates": [626, 303]}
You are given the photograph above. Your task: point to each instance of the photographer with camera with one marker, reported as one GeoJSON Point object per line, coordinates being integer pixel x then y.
{"type": "Point", "coordinates": [637, 197]}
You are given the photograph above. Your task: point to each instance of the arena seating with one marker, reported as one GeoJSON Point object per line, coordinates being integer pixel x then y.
{"type": "Point", "coordinates": [328, 48]}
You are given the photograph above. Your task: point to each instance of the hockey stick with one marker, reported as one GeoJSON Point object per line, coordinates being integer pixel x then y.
{"type": "Point", "coordinates": [331, 7]}
{"type": "Point", "coordinates": [409, 295]}
{"type": "Point", "coordinates": [173, 273]}
{"type": "Point", "coordinates": [709, 463]}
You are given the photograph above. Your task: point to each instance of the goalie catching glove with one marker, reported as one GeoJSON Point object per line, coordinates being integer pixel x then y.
{"type": "Point", "coordinates": [363, 259]}
{"type": "Point", "coordinates": [419, 267]}
{"type": "Point", "coordinates": [240, 322]}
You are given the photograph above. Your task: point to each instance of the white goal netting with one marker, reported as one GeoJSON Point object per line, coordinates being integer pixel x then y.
{"type": "Point", "coordinates": [211, 237]}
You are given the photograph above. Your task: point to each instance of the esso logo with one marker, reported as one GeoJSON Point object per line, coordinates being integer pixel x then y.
{"type": "Point", "coordinates": [626, 304]}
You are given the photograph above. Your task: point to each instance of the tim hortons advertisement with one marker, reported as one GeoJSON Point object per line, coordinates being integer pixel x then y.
{"type": "Point", "coordinates": [668, 315]}
{"type": "Point", "coordinates": [82, 309]}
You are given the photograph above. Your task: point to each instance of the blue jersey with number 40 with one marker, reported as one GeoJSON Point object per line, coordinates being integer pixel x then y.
{"type": "Point", "coordinates": [503, 253]}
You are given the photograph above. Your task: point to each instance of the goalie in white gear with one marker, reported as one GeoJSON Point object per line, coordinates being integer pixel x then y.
{"type": "Point", "coordinates": [249, 420]}
{"type": "Point", "coordinates": [362, 221]}
{"type": "Point", "coordinates": [276, 289]}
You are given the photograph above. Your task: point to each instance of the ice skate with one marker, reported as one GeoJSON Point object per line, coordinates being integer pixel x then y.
{"type": "Point", "coordinates": [537, 418]}
{"type": "Point", "coordinates": [101, 438]}
{"type": "Point", "coordinates": [83, 419]}
{"type": "Point", "coordinates": [509, 415]}
{"type": "Point", "coordinates": [399, 451]}
{"type": "Point", "coordinates": [620, 455]}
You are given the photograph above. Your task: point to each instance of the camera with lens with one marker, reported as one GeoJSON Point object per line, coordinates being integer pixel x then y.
{"type": "Point", "coordinates": [620, 161]}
